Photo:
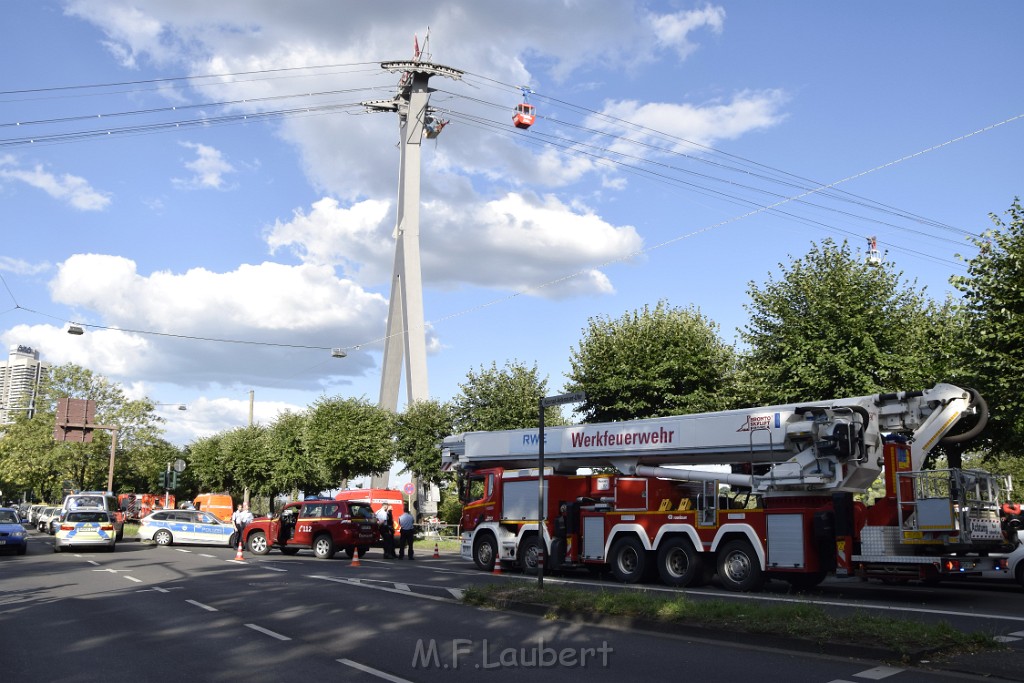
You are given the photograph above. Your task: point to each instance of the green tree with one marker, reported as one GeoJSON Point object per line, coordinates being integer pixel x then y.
{"type": "Point", "coordinates": [832, 325]}
{"type": "Point", "coordinates": [245, 451]}
{"type": "Point", "coordinates": [209, 466]}
{"type": "Point", "coordinates": [508, 398]}
{"type": "Point", "coordinates": [418, 431]}
{"type": "Point", "coordinates": [351, 437]}
{"type": "Point", "coordinates": [650, 363]}
{"type": "Point", "coordinates": [294, 469]}
{"type": "Point", "coordinates": [993, 296]}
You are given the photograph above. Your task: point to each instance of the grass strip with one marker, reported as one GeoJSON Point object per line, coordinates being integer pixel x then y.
{"type": "Point", "coordinates": [804, 621]}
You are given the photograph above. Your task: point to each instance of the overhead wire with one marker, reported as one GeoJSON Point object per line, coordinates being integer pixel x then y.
{"type": "Point", "coordinates": [568, 144]}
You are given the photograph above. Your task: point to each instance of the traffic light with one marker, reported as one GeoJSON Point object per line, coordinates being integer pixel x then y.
{"type": "Point", "coordinates": [165, 480]}
{"type": "Point", "coordinates": [174, 480]}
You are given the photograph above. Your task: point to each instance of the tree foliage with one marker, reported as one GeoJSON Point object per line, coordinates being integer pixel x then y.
{"type": "Point", "coordinates": [649, 363]}
{"type": "Point", "coordinates": [832, 325]}
{"type": "Point", "coordinates": [30, 459]}
{"type": "Point", "coordinates": [294, 469]}
{"type": "Point", "coordinates": [993, 296]}
{"type": "Point", "coordinates": [508, 398]}
{"type": "Point", "coordinates": [418, 431]}
{"type": "Point", "coordinates": [351, 437]}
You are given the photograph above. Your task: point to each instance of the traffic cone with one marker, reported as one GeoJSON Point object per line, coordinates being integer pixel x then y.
{"type": "Point", "coordinates": [238, 555]}
{"type": "Point", "coordinates": [497, 566]}
{"type": "Point", "coordinates": [437, 553]}
{"type": "Point", "coordinates": [355, 559]}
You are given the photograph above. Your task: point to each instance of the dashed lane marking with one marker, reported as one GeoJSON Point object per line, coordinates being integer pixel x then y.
{"type": "Point", "coordinates": [402, 586]}
{"type": "Point", "coordinates": [132, 578]}
{"type": "Point", "coordinates": [183, 550]}
{"type": "Point", "coordinates": [202, 606]}
{"type": "Point", "coordinates": [373, 672]}
{"type": "Point", "coordinates": [267, 632]}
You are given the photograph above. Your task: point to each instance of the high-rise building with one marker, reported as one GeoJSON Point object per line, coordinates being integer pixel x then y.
{"type": "Point", "coordinates": [20, 376]}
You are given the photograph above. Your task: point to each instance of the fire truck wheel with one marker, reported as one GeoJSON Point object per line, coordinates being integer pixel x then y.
{"type": "Point", "coordinates": [628, 560]}
{"type": "Point", "coordinates": [529, 554]}
{"type": "Point", "coordinates": [679, 563]}
{"type": "Point", "coordinates": [485, 552]}
{"type": "Point", "coordinates": [258, 543]}
{"type": "Point", "coordinates": [738, 567]}
{"type": "Point", "coordinates": [162, 537]}
{"type": "Point", "coordinates": [323, 547]}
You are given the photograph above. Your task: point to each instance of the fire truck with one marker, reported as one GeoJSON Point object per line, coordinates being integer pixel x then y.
{"type": "Point", "coordinates": [751, 494]}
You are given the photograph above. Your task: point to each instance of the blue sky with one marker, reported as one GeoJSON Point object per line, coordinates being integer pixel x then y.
{"type": "Point", "coordinates": [657, 170]}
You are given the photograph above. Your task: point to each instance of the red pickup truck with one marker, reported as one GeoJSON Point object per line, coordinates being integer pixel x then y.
{"type": "Point", "coordinates": [324, 526]}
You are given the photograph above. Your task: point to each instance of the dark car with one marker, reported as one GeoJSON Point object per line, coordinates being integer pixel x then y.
{"type": "Point", "coordinates": [12, 534]}
{"type": "Point", "coordinates": [323, 526]}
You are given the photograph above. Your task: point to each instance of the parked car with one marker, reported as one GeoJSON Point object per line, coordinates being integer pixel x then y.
{"type": "Point", "coordinates": [165, 527]}
{"type": "Point", "coordinates": [46, 517]}
{"type": "Point", "coordinates": [33, 513]}
{"type": "Point", "coordinates": [12, 534]}
{"type": "Point", "coordinates": [323, 525]}
{"type": "Point", "coordinates": [86, 528]}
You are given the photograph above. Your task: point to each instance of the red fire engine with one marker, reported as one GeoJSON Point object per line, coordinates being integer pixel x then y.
{"type": "Point", "coordinates": [779, 502]}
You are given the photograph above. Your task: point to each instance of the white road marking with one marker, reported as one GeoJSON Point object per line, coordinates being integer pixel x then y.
{"type": "Point", "coordinates": [373, 672]}
{"type": "Point", "coordinates": [94, 563]}
{"type": "Point", "coordinates": [273, 569]}
{"type": "Point", "coordinates": [132, 578]}
{"type": "Point", "coordinates": [268, 632]}
{"type": "Point", "coordinates": [457, 592]}
{"type": "Point", "coordinates": [112, 571]}
{"type": "Point", "coordinates": [878, 673]}
{"type": "Point", "coordinates": [158, 589]}
{"type": "Point", "coordinates": [1005, 639]}
{"type": "Point", "coordinates": [402, 586]}
{"type": "Point", "coordinates": [183, 550]}
{"type": "Point", "coordinates": [201, 605]}
{"type": "Point", "coordinates": [1018, 633]}
{"type": "Point", "coordinates": [207, 555]}
{"type": "Point", "coordinates": [386, 589]}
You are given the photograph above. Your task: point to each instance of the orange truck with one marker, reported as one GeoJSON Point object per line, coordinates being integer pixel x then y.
{"type": "Point", "coordinates": [219, 504]}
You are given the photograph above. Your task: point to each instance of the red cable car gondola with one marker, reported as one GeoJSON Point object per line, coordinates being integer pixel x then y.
{"type": "Point", "coordinates": [525, 114]}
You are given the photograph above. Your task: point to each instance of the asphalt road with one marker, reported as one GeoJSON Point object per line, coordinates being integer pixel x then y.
{"type": "Point", "coordinates": [195, 613]}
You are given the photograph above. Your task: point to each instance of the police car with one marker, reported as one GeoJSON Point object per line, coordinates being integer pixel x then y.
{"type": "Point", "coordinates": [165, 527]}
{"type": "Point", "coordinates": [85, 528]}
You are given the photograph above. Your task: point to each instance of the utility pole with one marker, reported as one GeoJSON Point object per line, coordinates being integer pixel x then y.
{"type": "Point", "coordinates": [406, 329]}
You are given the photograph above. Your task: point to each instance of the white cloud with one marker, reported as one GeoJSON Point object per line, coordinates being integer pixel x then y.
{"type": "Point", "coordinates": [357, 238]}
{"type": "Point", "coordinates": [537, 246]}
{"type": "Point", "coordinates": [67, 188]}
{"type": "Point", "coordinates": [282, 308]}
{"type": "Point", "coordinates": [704, 124]}
{"type": "Point", "coordinates": [208, 168]}
{"type": "Point", "coordinates": [512, 242]}
{"type": "Point", "coordinates": [22, 267]}
{"type": "Point", "coordinates": [673, 30]}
